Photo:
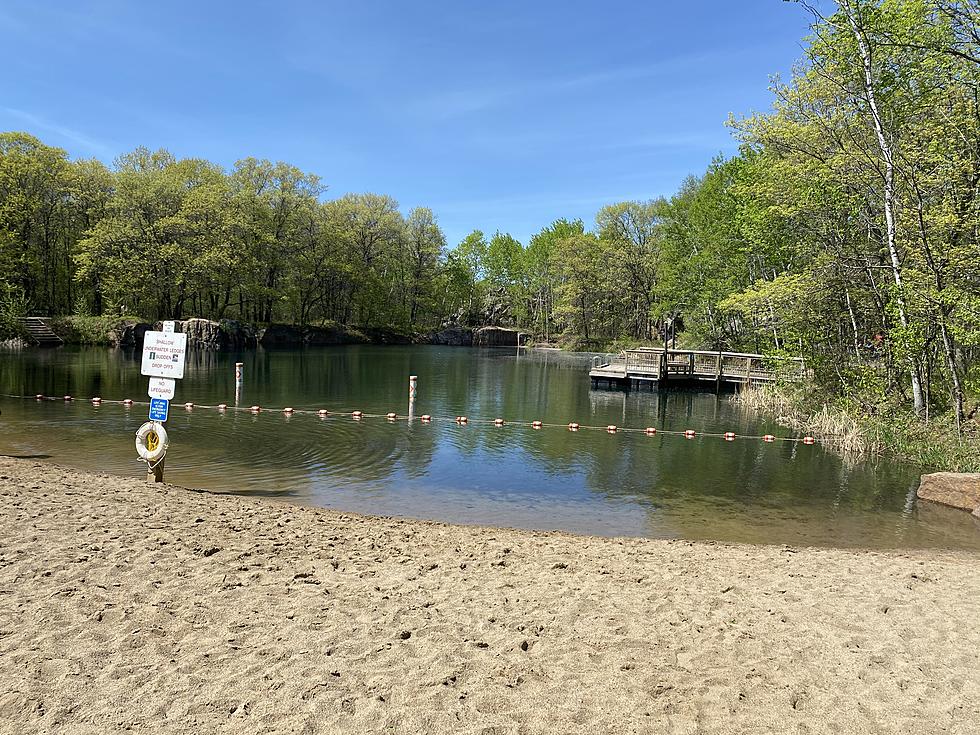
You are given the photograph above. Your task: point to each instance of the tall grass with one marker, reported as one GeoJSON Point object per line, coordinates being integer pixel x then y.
{"type": "Point", "coordinates": [892, 432]}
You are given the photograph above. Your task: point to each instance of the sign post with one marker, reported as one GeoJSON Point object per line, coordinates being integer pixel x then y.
{"type": "Point", "coordinates": [163, 362]}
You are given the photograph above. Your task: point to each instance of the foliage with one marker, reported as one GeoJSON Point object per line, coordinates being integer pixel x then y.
{"type": "Point", "coordinates": [846, 230]}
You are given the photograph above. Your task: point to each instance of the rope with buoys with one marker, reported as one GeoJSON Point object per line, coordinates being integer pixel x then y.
{"type": "Point", "coordinates": [392, 417]}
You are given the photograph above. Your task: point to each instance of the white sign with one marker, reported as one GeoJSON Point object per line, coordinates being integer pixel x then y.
{"type": "Point", "coordinates": [168, 327]}
{"type": "Point", "coordinates": [161, 388]}
{"type": "Point", "coordinates": [163, 354]}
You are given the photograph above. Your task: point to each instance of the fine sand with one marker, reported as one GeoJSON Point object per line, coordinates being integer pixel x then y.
{"type": "Point", "coordinates": [126, 607]}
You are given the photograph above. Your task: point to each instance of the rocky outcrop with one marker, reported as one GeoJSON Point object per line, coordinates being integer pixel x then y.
{"type": "Point", "coordinates": [453, 337]}
{"type": "Point", "coordinates": [281, 335]}
{"type": "Point", "coordinates": [289, 335]}
{"type": "Point", "coordinates": [238, 335]}
{"type": "Point", "coordinates": [206, 334]}
{"type": "Point", "coordinates": [129, 334]}
{"type": "Point", "coordinates": [495, 337]}
{"type": "Point", "coordinates": [956, 489]}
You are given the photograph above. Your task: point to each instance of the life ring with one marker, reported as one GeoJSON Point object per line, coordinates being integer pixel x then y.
{"type": "Point", "coordinates": [152, 441]}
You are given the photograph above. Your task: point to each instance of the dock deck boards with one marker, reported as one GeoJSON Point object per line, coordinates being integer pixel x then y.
{"type": "Point", "coordinates": [658, 365]}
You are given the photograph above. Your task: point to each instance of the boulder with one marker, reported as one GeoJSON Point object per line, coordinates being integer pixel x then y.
{"type": "Point", "coordinates": [202, 334]}
{"type": "Point", "coordinates": [129, 334]}
{"type": "Point", "coordinates": [495, 337]}
{"type": "Point", "coordinates": [956, 489]}
{"type": "Point", "coordinates": [452, 336]}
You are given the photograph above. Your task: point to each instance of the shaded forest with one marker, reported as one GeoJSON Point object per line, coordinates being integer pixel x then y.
{"type": "Point", "coordinates": [845, 230]}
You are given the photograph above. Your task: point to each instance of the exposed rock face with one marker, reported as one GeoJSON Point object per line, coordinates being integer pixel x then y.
{"type": "Point", "coordinates": [129, 334]}
{"type": "Point", "coordinates": [387, 337]}
{"type": "Point", "coordinates": [452, 336]}
{"type": "Point", "coordinates": [281, 335]}
{"type": "Point", "coordinates": [287, 335]}
{"type": "Point", "coordinates": [957, 489]}
{"type": "Point", "coordinates": [202, 334]}
{"type": "Point", "coordinates": [495, 337]}
{"type": "Point", "coordinates": [205, 334]}
{"type": "Point", "coordinates": [331, 336]}
{"type": "Point", "coordinates": [239, 335]}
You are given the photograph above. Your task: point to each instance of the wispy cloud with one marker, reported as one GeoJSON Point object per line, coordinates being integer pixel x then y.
{"type": "Point", "coordinates": [451, 103]}
{"type": "Point", "coordinates": [40, 124]}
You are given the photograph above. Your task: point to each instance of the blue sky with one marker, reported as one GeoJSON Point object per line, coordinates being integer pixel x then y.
{"type": "Point", "coordinates": [495, 115]}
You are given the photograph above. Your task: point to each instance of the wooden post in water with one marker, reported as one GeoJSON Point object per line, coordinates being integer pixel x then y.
{"type": "Point", "coordinates": [154, 473]}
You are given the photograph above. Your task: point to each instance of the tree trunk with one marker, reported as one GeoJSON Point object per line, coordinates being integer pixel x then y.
{"type": "Point", "coordinates": [887, 154]}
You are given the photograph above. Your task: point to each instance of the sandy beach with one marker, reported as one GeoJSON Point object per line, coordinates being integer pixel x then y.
{"type": "Point", "coordinates": [126, 607]}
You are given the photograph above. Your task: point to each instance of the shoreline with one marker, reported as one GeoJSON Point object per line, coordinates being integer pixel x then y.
{"type": "Point", "coordinates": [154, 608]}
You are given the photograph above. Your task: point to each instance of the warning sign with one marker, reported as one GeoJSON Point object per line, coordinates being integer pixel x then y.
{"type": "Point", "coordinates": [163, 354]}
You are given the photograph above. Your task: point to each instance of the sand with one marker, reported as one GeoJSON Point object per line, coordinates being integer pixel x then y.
{"type": "Point", "coordinates": [126, 607]}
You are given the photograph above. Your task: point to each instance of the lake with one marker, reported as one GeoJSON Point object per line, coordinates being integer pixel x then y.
{"type": "Point", "coordinates": [594, 482]}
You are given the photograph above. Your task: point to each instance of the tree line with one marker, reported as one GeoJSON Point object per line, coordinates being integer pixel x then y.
{"type": "Point", "coordinates": [846, 230]}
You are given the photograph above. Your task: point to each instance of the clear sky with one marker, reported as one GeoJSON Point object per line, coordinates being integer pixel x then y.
{"type": "Point", "coordinates": [496, 115]}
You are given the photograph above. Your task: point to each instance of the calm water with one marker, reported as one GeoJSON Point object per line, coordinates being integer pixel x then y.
{"type": "Point", "coordinates": [591, 482]}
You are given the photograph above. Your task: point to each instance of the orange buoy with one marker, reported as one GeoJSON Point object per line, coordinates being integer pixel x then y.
{"type": "Point", "coordinates": [729, 436]}
{"type": "Point", "coordinates": [255, 409]}
{"type": "Point", "coordinates": [768, 438]}
{"type": "Point", "coordinates": [573, 426]}
{"type": "Point", "coordinates": [392, 416]}
{"type": "Point", "coordinates": [357, 415]}
{"type": "Point", "coordinates": [611, 429]}
{"type": "Point", "coordinates": [426, 418]}
{"type": "Point", "coordinates": [498, 422]}
{"type": "Point", "coordinates": [221, 406]}
{"type": "Point", "coordinates": [809, 440]}
{"type": "Point", "coordinates": [650, 431]}
{"type": "Point", "coordinates": [536, 424]}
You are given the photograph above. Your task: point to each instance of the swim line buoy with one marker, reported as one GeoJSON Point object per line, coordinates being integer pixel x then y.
{"type": "Point", "coordinates": [152, 441]}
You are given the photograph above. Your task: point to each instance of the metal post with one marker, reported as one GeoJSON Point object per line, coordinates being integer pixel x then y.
{"type": "Point", "coordinates": [413, 383]}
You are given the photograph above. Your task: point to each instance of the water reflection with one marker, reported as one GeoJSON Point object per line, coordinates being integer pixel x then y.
{"type": "Point", "coordinates": [586, 481]}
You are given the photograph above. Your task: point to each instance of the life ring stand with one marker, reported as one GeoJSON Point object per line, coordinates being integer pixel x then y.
{"type": "Point", "coordinates": [152, 441]}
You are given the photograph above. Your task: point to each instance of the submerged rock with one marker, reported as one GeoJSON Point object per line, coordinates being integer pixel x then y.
{"type": "Point", "coordinates": [956, 489]}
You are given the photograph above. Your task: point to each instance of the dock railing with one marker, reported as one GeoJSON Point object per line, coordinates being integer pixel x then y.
{"type": "Point", "coordinates": [737, 367]}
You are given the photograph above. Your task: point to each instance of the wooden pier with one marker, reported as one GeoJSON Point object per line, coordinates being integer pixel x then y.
{"type": "Point", "coordinates": [658, 366]}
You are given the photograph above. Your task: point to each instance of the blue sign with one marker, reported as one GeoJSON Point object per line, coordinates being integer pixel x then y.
{"type": "Point", "coordinates": [159, 409]}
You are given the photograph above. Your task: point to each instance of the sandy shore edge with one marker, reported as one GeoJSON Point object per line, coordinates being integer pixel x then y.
{"type": "Point", "coordinates": [129, 607]}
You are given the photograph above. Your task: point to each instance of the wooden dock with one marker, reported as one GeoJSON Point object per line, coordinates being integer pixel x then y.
{"type": "Point", "coordinates": [659, 366]}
